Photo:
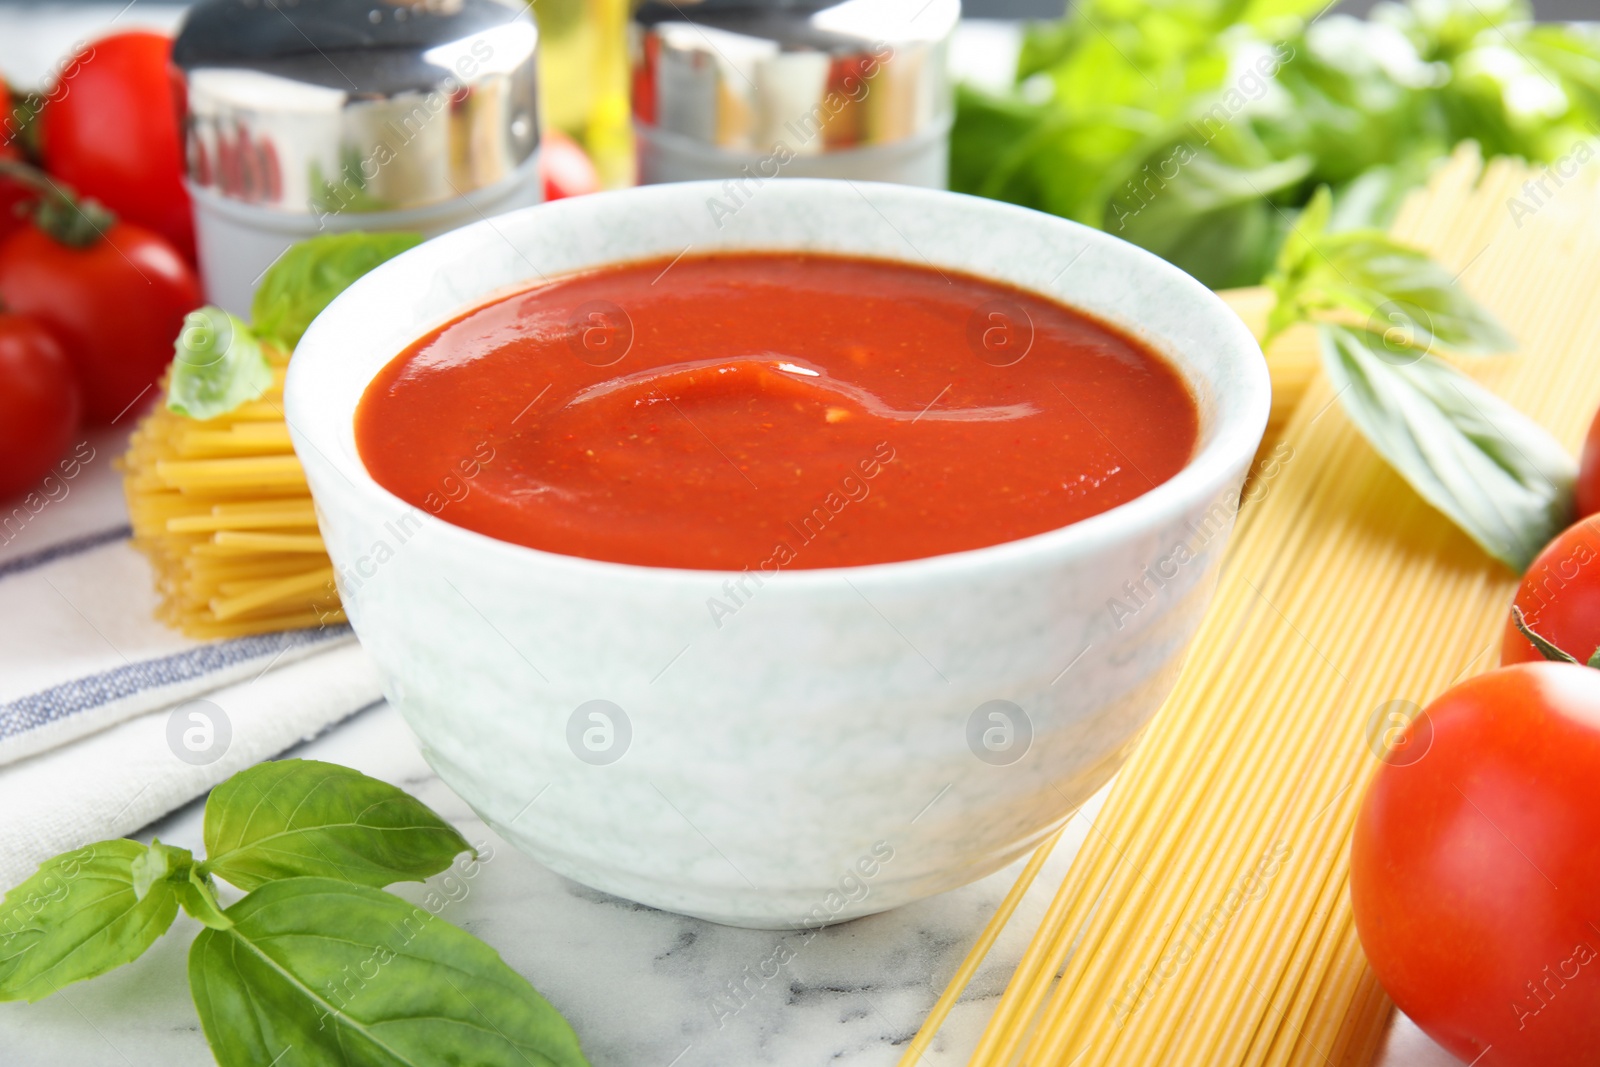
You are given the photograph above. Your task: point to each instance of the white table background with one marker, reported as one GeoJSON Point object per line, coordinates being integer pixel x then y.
{"type": "Point", "coordinates": [637, 984]}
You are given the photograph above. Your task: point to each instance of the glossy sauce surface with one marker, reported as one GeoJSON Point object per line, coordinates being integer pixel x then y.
{"type": "Point", "coordinates": [772, 411]}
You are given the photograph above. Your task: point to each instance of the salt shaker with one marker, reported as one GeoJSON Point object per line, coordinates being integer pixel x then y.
{"type": "Point", "coordinates": [303, 117]}
{"type": "Point", "coordinates": [752, 90]}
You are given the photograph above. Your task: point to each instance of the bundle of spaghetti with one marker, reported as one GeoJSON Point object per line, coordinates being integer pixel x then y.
{"type": "Point", "coordinates": [1206, 922]}
{"type": "Point", "coordinates": [221, 509]}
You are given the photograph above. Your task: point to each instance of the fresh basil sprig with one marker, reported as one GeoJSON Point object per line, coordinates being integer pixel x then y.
{"type": "Point", "coordinates": [316, 957]}
{"type": "Point", "coordinates": [1193, 127]}
{"type": "Point", "coordinates": [220, 362]}
{"type": "Point", "coordinates": [1382, 310]}
{"type": "Point", "coordinates": [1365, 275]}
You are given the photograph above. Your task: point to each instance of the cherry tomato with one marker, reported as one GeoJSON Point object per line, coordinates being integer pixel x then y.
{"type": "Point", "coordinates": [567, 169]}
{"type": "Point", "coordinates": [116, 305]}
{"type": "Point", "coordinates": [1589, 472]}
{"type": "Point", "coordinates": [1474, 870]}
{"type": "Point", "coordinates": [1560, 598]}
{"type": "Point", "coordinates": [39, 403]}
{"type": "Point", "coordinates": [110, 130]}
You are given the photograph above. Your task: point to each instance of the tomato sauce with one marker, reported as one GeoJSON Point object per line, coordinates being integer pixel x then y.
{"type": "Point", "coordinates": [772, 411]}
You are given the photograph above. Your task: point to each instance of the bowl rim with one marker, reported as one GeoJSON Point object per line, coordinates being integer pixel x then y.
{"type": "Point", "coordinates": [1208, 473]}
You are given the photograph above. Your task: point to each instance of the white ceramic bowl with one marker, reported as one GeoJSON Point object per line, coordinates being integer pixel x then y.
{"type": "Point", "coordinates": [831, 750]}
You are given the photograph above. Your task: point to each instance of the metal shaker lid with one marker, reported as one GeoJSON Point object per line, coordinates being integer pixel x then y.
{"type": "Point", "coordinates": [319, 107]}
{"type": "Point", "coordinates": [811, 75]}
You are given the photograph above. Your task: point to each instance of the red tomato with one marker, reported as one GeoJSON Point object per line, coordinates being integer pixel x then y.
{"type": "Point", "coordinates": [13, 194]}
{"type": "Point", "coordinates": [1560, 598]}
{"type": "Point", "coordinates": [39, 403]}
{"type": "Point", "coordinates": [567, 169]}
{"type": "Point", "coordinates": [1589, 472]}
{"type": "Point", "coordinates": [110, 130]}
{"type": "Point", "coordinates": [1474, 870]}
{"type": "Point", "coordinates": [116, 305]}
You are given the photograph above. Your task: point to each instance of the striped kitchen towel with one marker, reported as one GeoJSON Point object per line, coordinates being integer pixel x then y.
{"type": "Point", "coordinates": [108, 719]}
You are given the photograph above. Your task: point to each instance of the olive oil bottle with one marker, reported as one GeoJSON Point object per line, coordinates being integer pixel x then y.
{"type": "Point", "coordinates": [583, 70]}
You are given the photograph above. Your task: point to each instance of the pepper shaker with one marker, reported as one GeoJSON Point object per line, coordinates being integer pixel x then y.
{"type": "Point", "coordinates": [303, 117]}
{"type": "Point", "coordinates": [756, 89]}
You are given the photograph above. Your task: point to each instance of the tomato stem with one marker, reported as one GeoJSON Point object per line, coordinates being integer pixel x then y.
{"type": "Point", "coordinates": [19, 126]}
{"type": "Point", "coordinates": [1546, 647]}
{"type": "Point", "coordinates": [60, 213]}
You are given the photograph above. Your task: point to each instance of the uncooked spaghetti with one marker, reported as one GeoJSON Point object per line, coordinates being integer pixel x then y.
{"type": "Point", "coordinates": [1207, 922]}
{"type": "Point", "coordinates": [221, 509]}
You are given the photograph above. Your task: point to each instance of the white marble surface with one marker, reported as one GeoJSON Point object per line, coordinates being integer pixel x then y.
{"type": "Point", "coordinates": [641, 987]}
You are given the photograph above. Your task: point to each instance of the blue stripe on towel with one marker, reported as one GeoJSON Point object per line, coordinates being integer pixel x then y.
{"type": "Point", "coordinates": [73, 547]}
{"type": "Point", "coordinates": [82, 694]}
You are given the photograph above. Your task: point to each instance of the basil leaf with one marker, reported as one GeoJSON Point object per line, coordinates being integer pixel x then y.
{"type": "Point", "coordinates": [1257, 12]}
{"type": "Point", "coordinates": [79, 916]}
{"type": "Point", "coordinates": [1373, 199]}
{"type": "Point", "coordinates": [157, 863]}
{"type": "Point", "coordinates": [176, 869]}
{"type": "Point", "coordinates": [989, 130]}
{"type": "Point", "coordinates": [1405, 298]}
{"type": "Point", "coordinates": [1213, 219]}
{"type": "Point", "coordinates": [199, 899]}
{"type": "Point", "coordinates": [1492, 470]}
{"type": "Point", "coordinates": [345, 975]}
{"type": "Point", "coordinates": [307, 277]}
{"type": "Point", "coordinates": [1354, 96]}
{"type": "Point", "coordinates": [302, 817]}
{"type": "Point", "coordinates": [1299, 248]}
{"type": "Point", "coordinates": [216, 366]}
{"type": "Point", "coordinates": [1414, 300]}
{"type": "Point", "coordinates": [1296, 263]}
